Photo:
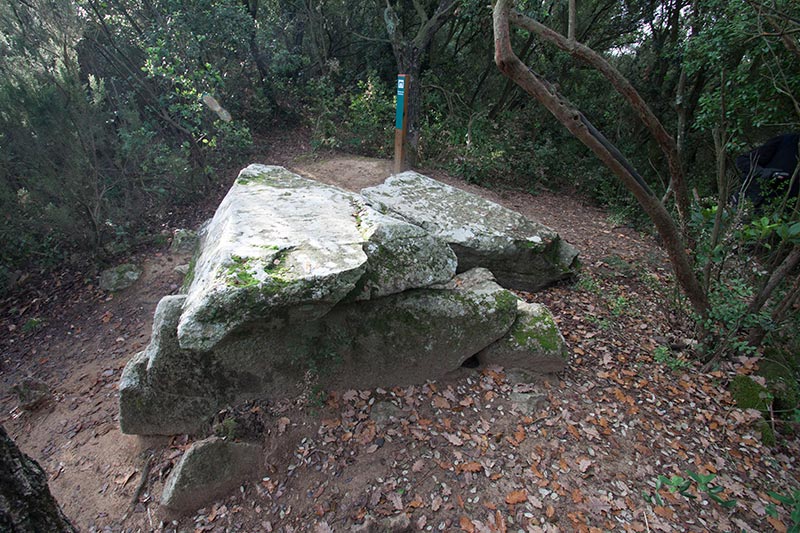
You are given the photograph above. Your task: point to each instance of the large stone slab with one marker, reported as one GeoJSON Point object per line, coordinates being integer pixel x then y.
{"type": "Point", "coordinates": [521, 253]}
{"type": "Point", "coordinates": [399, 339]}
{"type": "Point", "coordinates": [295, 278]}
{"type": "Point", "coordinates": [282, 246]}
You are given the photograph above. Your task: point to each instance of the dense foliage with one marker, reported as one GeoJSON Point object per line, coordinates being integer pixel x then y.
{"type": "Point", "coordinates": [105, 113]}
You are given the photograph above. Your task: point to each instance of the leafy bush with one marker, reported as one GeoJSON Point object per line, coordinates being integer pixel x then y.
{"type": "Point", "coordinates": [360, 121]}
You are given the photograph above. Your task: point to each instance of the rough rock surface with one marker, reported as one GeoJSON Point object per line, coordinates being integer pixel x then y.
{"type": "Point", "coordinates": [120, 277]}
{"type": "Point", "coordinates": [295, 277]}
{"type": "Point", "coordinates": [210, 469]}
{"type": "Point", "coordinates": [282, 246]}
{"type": "Point", "coordinates": [521, 253]}
{"type": "Point", "coordinates": [26, 504]}
{"type": "Point", "coordinates": [31, 392]}
{"type": "Point", "coordinates": [534, 342]}
{"type": "Point", "coordinates": [400, 339]}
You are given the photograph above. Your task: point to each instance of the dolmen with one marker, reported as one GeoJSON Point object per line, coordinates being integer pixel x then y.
{"type": "Point", "coordinates": [294, 278]}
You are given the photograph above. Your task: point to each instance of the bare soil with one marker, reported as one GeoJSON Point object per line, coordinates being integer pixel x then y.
{"type": "Point", "coordinates": [486, 449]}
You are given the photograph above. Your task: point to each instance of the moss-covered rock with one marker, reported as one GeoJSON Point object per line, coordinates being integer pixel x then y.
{"type": "Point", "coordinates": [750, 395]}
{"type": "Point", "coordinates": [120, 277]}
{"type": "Point", "coordinates": [210, 469]}
{"type": "Point", "coordinates": [777, 368]}
{"type": "Point", "coordinates": [534, 342]}
{"type": "Point", "coordinates": [399, 339]}
{"type": "Point", "coordinates": [280, 243]}
{"type": "Point", "coordinates": [293, 279]}
{"type": "Point", "coordinates": [521, 253]}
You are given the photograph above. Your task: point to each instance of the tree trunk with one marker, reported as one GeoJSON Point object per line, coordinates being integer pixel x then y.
{"type": "Point", "coordinates": [511, 66]}
{"type": "Point", "coordinates": [409, 54]}
{"type": "Point", "coordinates": [26, 504]}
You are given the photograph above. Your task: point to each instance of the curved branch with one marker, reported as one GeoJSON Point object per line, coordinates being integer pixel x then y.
{"type": "Point", "coordinates": [665, 141]}
{"type": "Point", "coordinates": [511, 66]}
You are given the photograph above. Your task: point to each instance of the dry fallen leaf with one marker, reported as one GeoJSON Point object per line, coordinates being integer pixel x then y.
{"type": "Point", "coordinates": [416, 502]}
{"type": "Point", "coordinates": [349, 396]}
{"type": "Point", "coordinates": [470, 467]}
{"type": "Point", "coordinates": [441, 402]}
{"type": "Point", "coordinates": [466, 524]}
{"type": "Point", "coordinates": [664, 512]}
{"type": "Point", "coordinates": [517, 496]}
{"type": "Point", "coordinates": [283, 422]}
{"type": "Point", "coordinates": [436, 503]}
{"type": "Point", "coordinates": [777, 524]}
{"type": "Point", "coordinates": [454, 440]}
{"type": "Point", "coordinates": [396, 499]}
{"type": "Point", "coordinates": [500, 522]}
{"type": "Point", "coordinates": [584, 463]}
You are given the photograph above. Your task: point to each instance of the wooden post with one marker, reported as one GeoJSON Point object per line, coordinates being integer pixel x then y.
{"type": "Point", "coordinates": [400, 124]}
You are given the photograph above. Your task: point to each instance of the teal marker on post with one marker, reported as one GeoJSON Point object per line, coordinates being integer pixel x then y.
{"type": "Point", "coordinates": [400, 124]}
{"type": "Point", "coordinates": [401, 101]}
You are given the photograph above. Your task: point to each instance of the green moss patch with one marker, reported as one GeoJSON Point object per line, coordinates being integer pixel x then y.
{"type": "Point", "coordinates": [750, 395]}
{"type": "Point", "coordinates": [541, 329]}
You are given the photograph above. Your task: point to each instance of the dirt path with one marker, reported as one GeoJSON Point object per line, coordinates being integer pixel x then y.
{"type": "Point", "coordinates": [485, 450]}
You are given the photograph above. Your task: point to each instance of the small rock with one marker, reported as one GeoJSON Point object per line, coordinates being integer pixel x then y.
{"type": "Point", "coordinates": [183, 241]}
{"type": "Point", "coordinates": [615, 266]}
{"type": "Point", "coordinates": [31, 393]}
{"type": "Point", "coordinates": [527, 403]}
{"type": "Point", "coordinates": [182, 269]}
{"type": "Point", "coordinates": [383, 411]}
{"type": "Point", "coordinates": [397, 524]}
{"type": "Point", "coordinates": [210, 469]}
{"type": "Point", "coordinates": [120, 277]}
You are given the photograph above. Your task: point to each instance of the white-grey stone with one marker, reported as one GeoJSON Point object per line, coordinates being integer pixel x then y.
{"type": "Point", "coordinates": [527, 403]}
{"type": "Point", "coordinates": [208, 470]}
{"type": "Point", "coordinates": [293, 278]}
{"type": "Point", "coordinates": [120, 277]}
{"type": "Point", "coordinates": [281, 245]}
{"type": "Point", "coordinates": [521, 253]}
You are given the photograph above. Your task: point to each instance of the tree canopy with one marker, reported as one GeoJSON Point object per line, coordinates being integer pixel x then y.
{"type": "Point", "coordinates": [111, 109]}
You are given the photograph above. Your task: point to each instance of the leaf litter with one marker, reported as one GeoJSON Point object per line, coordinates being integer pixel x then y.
{"type": "Point", "coordinates": [458, 454]}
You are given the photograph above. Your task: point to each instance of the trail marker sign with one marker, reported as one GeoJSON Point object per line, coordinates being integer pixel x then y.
{"type": "Point", "coordinates": [400, 124]}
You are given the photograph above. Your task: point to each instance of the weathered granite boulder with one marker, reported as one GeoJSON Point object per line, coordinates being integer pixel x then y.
{"type": "Point", "coordinates": [120, 277]}
{"type": "Point", "coordinates": [293, 276]}
{"type": "Point", "coordinates": [285, 247]}
{"type": "Point", "coordinates": [208, 470]}
{"type": "Point", "coordinates": [534, 342]}
{"type": "Point", "coordinates": [399, 339]}
{"type": "Point", "coordinates": [521, 253]}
